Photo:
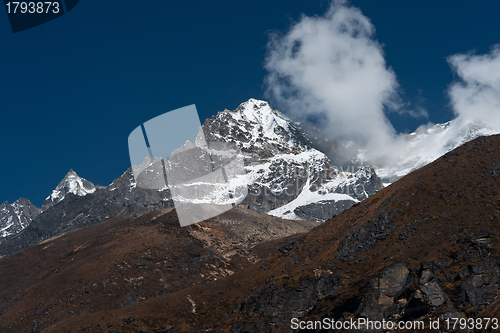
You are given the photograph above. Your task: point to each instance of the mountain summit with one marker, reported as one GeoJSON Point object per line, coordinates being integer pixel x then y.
{"type": "Point", "coordinates": [72, 183]}
{"type": "Point", "coordinates": [255, 126]}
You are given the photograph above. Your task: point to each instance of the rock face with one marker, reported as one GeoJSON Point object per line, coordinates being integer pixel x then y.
{"type": "Point", "coordinates": [381, 291]}
{"type": "Point", "coordinates": [434, 287]}
{"type": "Point", "coordinates": [278, 305]}
{"type": "Point", "coordinates": [321, 210]}
{"type": "Point", "coordinates": [14, 218]}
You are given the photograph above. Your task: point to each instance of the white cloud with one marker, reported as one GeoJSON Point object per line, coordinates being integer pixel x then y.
{"type": "Point", "coordinates": [476, 96]}
{"type": "Point", "coordinates": [331, 68]}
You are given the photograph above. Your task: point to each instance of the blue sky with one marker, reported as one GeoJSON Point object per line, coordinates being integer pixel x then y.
{"type": "Point", "coordinates": [73, 89]}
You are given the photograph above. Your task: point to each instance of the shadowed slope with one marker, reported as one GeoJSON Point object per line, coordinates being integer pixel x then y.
{"type": "Point", "coordinates": [125, 261]}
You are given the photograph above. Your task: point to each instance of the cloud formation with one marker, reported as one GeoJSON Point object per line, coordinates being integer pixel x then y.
{"type": "Point", "coordinates": [330, 69]}
{"type": "Point", "coordinates": [475, 99]}
{"type": "Point", "coordinates": [475, 96]}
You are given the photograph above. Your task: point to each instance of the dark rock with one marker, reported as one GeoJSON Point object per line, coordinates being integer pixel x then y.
{"type": "Point", "coordinates": [433, 293]}
{"type": "Point", "coordinates": [362, 238]}
{"type": "Point", "coordinates": [280, 304]}
{"type": "Point", "coordinates": [481, 286]}
{"type": "Point", "coordinates": [323, 210]}
{"type": "Point", "coordinates": [428, 270]}
{"type": "Point", "coordinates": [121, 197]}
{"type": "Point", "coordinates": [382, 291]}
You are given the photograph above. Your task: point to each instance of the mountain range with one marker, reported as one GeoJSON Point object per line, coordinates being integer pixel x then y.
{"type": "Point", "coordinates": [287, 175]}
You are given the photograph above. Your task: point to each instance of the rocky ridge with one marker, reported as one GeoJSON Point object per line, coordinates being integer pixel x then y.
{"type": "Point", "coordinates": [286, 173]}
{"type": "Point", "coordinates": [122, 197]}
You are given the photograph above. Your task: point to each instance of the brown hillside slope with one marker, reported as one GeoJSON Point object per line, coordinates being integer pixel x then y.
{"type": "Point", "coordinates": [425, 247]}
{"type": "Point", "coordinates": [125, 261]}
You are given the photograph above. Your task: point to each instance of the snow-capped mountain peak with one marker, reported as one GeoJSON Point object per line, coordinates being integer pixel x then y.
{"type": "Point", "coordinates": [255, 126]}
{"type": "Point", "coordinates": [282, 166]}
{"type": "Point", "coordinates": [260, 112]}
{"type": "Point", "coordinates": [72, 183]}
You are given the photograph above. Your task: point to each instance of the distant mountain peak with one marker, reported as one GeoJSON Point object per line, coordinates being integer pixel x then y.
{"type": "Point", "coordinates": [17, 216]}
{"type": "Point", "coordinates": [71, 183]}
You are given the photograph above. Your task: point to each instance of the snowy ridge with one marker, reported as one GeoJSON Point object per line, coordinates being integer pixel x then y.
{"type": "Point", "coordinates": [20, 214]}
{"type": "Point", "coordinates": [284, 173]}
{"type": "Point", "coordinates": [427, 144]}
{"type": "Point", "coordinates": [265, 122]}
{"type": "Point", "coordinates": [17, 216]}
{"type": "Point", "coordinates": [279, 164]}
{"type": "Point", "coordinates": [346, 186]}
{"type": "Point", "coordinates": [307, 197]}
{"type": "Point", "coordinates": [129, 179]}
